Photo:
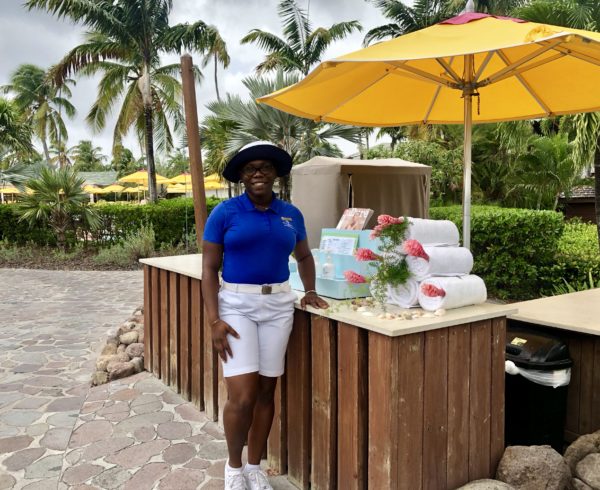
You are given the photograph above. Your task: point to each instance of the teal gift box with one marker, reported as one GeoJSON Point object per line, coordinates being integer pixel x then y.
{"type": "Point", "coordinates": [338, 287]}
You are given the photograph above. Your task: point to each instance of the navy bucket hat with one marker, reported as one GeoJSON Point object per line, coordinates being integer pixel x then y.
{"type": "Point", "coordinates": [258, 150]}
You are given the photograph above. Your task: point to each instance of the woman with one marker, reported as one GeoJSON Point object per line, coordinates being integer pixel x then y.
{"type": "Point", "coordinates": [251, 316]}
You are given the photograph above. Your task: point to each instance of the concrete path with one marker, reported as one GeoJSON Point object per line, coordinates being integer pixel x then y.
{"type": "Point", "coordinates": [56, 432]}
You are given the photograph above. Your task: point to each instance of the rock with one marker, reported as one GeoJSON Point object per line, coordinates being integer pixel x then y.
{"type": "Point", "coordinates": [577, 484]}
{"type": "Point", "coordinates": [584, 445]}
{"type": "Point", "coordinates": [136, 319]}
{"type": "Point", "coordinates": [588, 470]}
{"type": "Point", "coordinates": [129, 337]}
{"type": "Point", "coordinates": [141, 337]}
{"type": "Point", "coordinates": [99, 378]}
{"type": "Point", "coordinates": [109, 350]}
{"type": "Point", "coordinates": [102, 363]}
{"type": "Point", "coordinates": [486, 485]}
{"type": "Point", "coordinates": [121, 370]}
{"type": "Point", "coordinates": [139, 328]}
{"type": "Point", "coordinates": [121, 349]}
{"type": "Point", "coordinates": [138, 364]}
{"type": "Point", "coordinates": [117, 358]}
{"type": "Point", "coordinates": [533, 467]}
{"type": "Point", "coordinates": [135, 350]}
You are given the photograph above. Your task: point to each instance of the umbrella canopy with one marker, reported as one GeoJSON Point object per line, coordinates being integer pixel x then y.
{"type": "Point", "coordinates": [211, 185]}
{"type": "Point", "coordinates": [184, 178]}
{"type": "Point", "coordinates": [113, 188]}
{"type": "Point", "coordinates": [92, 189]}
{"type": "Point", "coordinates": [132, 190]}
{"type": "Point", "coordinates": [141, 177]}
{"type": "Point", "coordinates": [178, 189]}
{"type": "Point", "coordinates": [514, 69]}
{"type": "Point", "coordinates": [9, 190]}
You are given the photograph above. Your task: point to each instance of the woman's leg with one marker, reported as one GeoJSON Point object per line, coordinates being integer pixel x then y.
{"type": "Point", "coordinates": [242, 393]}
{"type": "Point", "coordinates": [263, 419]}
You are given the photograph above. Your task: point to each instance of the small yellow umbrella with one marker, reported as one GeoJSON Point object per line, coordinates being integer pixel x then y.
{"type": "Point", "coordinates": [92, 189]}
{"type": "Point", "coordinates": [9, 190]}
{"type": "Point", "coordinates": [184, 178]}
{"type": "Point", "coordinates": [213, 178]}
{"type": "Point", "coordinates": [210, 186]}
{"type": "Point", "coordinates": [132, 190]}
{"type": "Point", "coordinates": [113, 188]}
{"type": "Point", "coordinates": [178, 189]}
{"type": "Point", "coordinates": [514, 69]}
{"type": "Point", "coordinates": [141, 177]}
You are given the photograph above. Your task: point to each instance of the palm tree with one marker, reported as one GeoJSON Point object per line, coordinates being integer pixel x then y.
{"type": "Point", "coordinates": [302, 47]}
{"type": "Point", "coordinates": [59, 155]}
{"type": "Point", "coordinates": [217, 53]}
{"type": "Point", "coordinates": [42, 102]}
{"type": "Point", "coordinates": [132, 32]}
{"type": "Point", "coordinates": [235, 123]}
{"type": "Point", "coordinates": [59, 201]}
{"type": "Point", "coordinates": [15, 133]}
{"type": "Point", "coordinates": [580, 14]}
{"type": "Point", "coordinates": [87, 157]}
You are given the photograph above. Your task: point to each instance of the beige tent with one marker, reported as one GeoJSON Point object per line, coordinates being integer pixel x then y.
{"type": "Point", "coordinates": [323, 187]}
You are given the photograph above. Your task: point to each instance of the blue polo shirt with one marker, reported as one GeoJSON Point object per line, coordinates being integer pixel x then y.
{"type": "Point", "coordinates": [256, 244]}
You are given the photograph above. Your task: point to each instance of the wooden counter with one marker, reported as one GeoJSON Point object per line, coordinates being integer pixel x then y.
{"type": "Point", "coordinates": [575, 318]}
{"type": "Point", "coordinates": [365, 402]}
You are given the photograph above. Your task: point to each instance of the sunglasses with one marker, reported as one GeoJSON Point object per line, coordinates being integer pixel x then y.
{"type": "Point", "coordinates": [266, 169]}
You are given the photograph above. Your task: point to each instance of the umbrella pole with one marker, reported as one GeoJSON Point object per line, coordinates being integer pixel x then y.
{"type": "Point", "coordinates": [468, 126]}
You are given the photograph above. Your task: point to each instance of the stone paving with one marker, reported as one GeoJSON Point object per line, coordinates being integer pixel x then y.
{"type": "Point", "coordinates": [56, 432]}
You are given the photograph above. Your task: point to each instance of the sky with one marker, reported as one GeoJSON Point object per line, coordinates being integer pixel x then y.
{"type": "Point", "coordinates": [39, 38]}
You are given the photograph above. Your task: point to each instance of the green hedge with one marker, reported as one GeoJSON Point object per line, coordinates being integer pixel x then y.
{"type": "Point", "coordinates": [515, 250]}
{"type": "Point", "coordinates": [168, 219]}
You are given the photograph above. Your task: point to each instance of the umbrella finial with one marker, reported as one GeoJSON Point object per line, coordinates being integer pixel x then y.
{"type": "Point", "coordinates": [469, 7]}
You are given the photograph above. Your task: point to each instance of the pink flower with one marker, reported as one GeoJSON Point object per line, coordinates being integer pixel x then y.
{"type": "Point", "coordinates": [414, 248]}
{"type": "Point", "coordinates": [386, 220]}
{"type": "Point", "coordinates": [432, 291]}
{"type": "Point", "coordinates": [354, 277]}
{"type": "Point", "coordinates": [365, 255]}
{"type": "Point", "coordinates": [376, 231]}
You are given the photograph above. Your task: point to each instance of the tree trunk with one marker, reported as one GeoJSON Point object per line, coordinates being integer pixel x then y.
{"type": "Point", "coordinates": [216, 80]}
{"type": "Point", "coordinates": [145, 89]}
{"type": "Point", "coordinates": [46, 151]}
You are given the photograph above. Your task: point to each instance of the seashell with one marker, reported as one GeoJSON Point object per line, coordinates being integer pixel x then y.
{"type": "Point", "coordinates": [428, 315]}
{"type": "Point", "coordinates": [440, 312]}
{"type": "Point", "coordinates": [367, 313]}
{"type": "Point", "coordinates": [381, 316]}
{"type": "Point", "coordinates": [390, 316]}
{"type": "Point", "coordinates": [362, 308]}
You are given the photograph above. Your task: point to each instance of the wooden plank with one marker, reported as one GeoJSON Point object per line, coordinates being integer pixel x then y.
{"type": "Point", "coordinates": [480, 396]}
{"type": "Point", "coordinates": [210, 373]}
{"type": "Point", "coordinates": [174, 330]}
{"type": "Point", "coordinates": [299, 401]}
{"type": "Point", "coordinates": [384, 428]}
{"type": "Point", "coordinates": [197, 345]}
{"type": "Point", "coordinates": [164, 326]}
{"type": "Point", "coordinates": [596, 387]}
{"type": "Point", "coordinates": [184, 336]}
{"type": "Point", "coordinates": [155, 321]}
{"type": "Point", "coordinates": [573, 392]}
{"type": "Point", "coordinates": [459, 368]}
{"type": "Point", "coordinates": [352, 400]}
{"type": "Point", "coordinates": [586, 386]}
{"type": "Point", "coordinates": [324, 403]}
{"type": "Point", "coordinates": [498, 389]}
{"type": "Point", "coordinates": [147, 318]}
{"type": "Point", "coordinates": [277, 443]}
{"type": "Point", "coordinates": [435, 410]}
{"type": "Point", "coordinates": [411, 367]}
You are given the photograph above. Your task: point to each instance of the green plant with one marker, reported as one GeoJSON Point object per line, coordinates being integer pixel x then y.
{"type": "Point", "coordinates": [140, 243]}
{"type": "Point", "coordinates": [59, 201]}
{"type": "Point", "coordinates": [115, 255]}
{"type": "Point", "coordinates": [566, 287]}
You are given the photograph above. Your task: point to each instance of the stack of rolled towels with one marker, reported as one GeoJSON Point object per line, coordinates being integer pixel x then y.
{"type": "Point", "coordinates": [440, 269]}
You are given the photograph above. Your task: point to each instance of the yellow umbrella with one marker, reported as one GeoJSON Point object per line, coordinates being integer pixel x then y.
{"type": "Point", "coordinates": [132, 190]}
{"type": "Point", "coordinates": [514, 69]}
{"type": "Point", "coordinates": [177, 189]}
{"type": "Point", "coordinates": [214, 185]}
{"type": "Point", "coordinates": [113, 188]}
{"type": "Point", "coordinates": [92, 189]}
{"type": "Point", "coordinates": [9, 190]}
{"type": "Point", "coordinates": [184, 178]}
{"type": "Point", "coordinates": [213, 178]}
{"type": "Point", "coordinates": [141, 177]}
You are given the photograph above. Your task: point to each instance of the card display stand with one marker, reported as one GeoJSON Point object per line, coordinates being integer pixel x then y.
{"type": "Point", "coordinates": [338, 287]}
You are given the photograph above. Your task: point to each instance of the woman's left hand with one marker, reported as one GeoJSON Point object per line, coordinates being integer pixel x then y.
{"type": "Point", "coordinates": [314, 300]}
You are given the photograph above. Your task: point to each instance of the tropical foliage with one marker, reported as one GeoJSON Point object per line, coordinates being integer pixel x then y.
{"type": "Point", "coordinates": [15, 133]}
{"type": "Point", "coordinates": [57, 200]}
{"type": "Point", "coordinates": [87, 157]}
{"type": "Point", "coordinates": [301, 46]}
{"type": "Point", "coordinates": [125, 43]}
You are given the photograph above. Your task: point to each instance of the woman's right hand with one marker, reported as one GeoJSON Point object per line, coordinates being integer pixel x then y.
{"type": "Point", "coordinates": [220, 330]}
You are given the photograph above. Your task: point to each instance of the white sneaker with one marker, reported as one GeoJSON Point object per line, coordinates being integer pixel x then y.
{"type": "Point", "coordinates": [235, 481]}
{"type": "Point", "coordinates": [257, 480]}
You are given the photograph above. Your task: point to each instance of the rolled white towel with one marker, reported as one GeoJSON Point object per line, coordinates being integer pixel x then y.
{"type": "Point", "coordinates": [434, 232]}
{"type": "Point", "coordinates": [454, 292]}
{"type": "Point", "coordinates": [405, 295]}
{"type": "Point", "coordinates": [440, 261]}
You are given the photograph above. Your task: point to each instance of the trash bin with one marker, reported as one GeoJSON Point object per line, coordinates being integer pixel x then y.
{"type": "Point", "coordinates": [538, 371]}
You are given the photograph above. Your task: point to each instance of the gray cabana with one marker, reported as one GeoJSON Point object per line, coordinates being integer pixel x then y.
{"type": "Point", "coordinates": [323, 187]}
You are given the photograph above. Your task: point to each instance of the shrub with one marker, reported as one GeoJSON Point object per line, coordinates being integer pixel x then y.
{"type": "Point", "coordinates": [514, 249]}
{"type": "Point", "coordinates": [116, 255]}
{"type": "Point", "coordinates": [13, 230]}
{"type": "Point", "coordinates": [140, 243]}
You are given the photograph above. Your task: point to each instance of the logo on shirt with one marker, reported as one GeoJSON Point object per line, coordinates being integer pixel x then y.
{"type": "Point", "coordinates": [287, 222]}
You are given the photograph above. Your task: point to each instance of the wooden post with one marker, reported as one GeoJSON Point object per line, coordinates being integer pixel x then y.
{"type": "Point", "coordinates": [191, 123]}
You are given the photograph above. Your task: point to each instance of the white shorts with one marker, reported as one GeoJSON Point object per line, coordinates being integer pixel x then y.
{"type": "Point", "coordinates": [264, 323]}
